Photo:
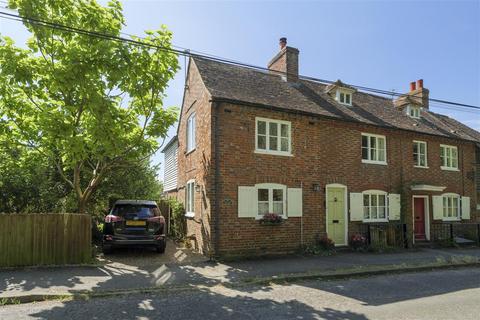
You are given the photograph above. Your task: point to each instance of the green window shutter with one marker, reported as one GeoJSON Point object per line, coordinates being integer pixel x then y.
{"type": "Point", "coordinates": [356, 206]}
{"type": "Point", "coordinates": [247, 202]}
{"type": "Point", "coordinates": [294, 202]}
{"type": "Point", "coordinates": [394, 206]}
{"type": "Point", "coordinates": [466, 208]}
{"type": "Point", "coordinates": [437, 207]}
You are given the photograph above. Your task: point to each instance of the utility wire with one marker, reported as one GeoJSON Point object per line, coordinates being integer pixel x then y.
{"type": "Point", "coordinates": [189, 53]}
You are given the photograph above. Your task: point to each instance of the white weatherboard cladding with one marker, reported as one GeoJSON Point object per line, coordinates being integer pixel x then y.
{"type": "Point", "coordinates": [171, 167]}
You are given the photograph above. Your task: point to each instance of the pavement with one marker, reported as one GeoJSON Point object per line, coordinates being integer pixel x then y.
{"type": "Point", "coordinates": [442, 294]}
{"type": "Point", "coordinates": [132, 270]}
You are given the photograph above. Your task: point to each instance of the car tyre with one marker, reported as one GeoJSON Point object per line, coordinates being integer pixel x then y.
{"type": "Point", "coordinates": [162, 246]}
{"type": "Point", "coordinates": [107, 249]}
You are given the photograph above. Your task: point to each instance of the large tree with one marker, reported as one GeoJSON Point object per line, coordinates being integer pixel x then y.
{"type": "Point", "coordinates": [88, 104]}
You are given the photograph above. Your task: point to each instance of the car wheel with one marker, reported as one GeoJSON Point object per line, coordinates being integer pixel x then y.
{"type": "Point", "coordinates": [161, 247]}
{"type": "Point", "coordinates": [107, 249]}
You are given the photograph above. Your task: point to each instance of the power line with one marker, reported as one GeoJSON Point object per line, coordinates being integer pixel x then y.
{"type": "Point", "coordinates": [187, 52]}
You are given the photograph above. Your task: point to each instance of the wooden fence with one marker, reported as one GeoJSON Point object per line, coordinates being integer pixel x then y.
{"type": "Point", "coordinates": [45, 239]}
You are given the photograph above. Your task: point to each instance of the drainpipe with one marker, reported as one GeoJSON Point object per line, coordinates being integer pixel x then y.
{"type": "Point", "coordinates": [216, 154]}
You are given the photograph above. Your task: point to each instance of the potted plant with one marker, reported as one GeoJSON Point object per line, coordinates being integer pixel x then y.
{"type": "Point", "coordinates": [271, 219]}
{"type": "Point", "coordinates": [358, 242]}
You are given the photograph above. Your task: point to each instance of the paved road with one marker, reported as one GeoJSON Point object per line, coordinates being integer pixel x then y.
{"type": "Point", "coordinates": [446, 294]}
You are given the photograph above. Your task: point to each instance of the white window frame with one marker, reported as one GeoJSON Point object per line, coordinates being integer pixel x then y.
{"type": "Point", "coordinates": [417, 163]}
{"type": "Point", "coordinates": [271, 187]}
{"type": "Point", "coordinates": [191, 132]}
{"type": "Point", "coordinates": [414, 112]}
{"type": "Point", "coordinates": [376, 136]}
{"type": "Point", "coordinates": [279, 137]}
{"type": "Point", "coordinates": [445, 151]}
{"type": "Point", "coordinates": [445, 199]}
{"type": "Point", "coordinates": [386, 206]}
{"type": "Point", "coordinates": [190, 198]}
{"type": "Point", "coordinates": [341, 97]}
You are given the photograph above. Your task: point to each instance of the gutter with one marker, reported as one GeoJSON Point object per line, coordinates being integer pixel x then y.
{"type": "Point", "coordinates": [316, 115]}
{"type": "Point", "coordinates": [216, 154]}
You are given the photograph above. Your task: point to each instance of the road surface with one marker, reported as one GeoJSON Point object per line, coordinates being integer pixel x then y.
{"type": "Point", "coordinates": [446, 294]}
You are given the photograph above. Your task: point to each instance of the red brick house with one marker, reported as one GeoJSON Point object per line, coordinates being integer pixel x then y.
{"type": "Point", "coordinates": [328, 158]}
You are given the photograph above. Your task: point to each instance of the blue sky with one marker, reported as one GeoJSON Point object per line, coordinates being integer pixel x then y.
{"type": "Point", "coordinates": [380, 44]}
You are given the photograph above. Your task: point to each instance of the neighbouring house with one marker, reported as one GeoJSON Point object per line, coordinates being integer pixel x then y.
{"type": "Point", "coordinates": [329, 159]}
{"type": "Point", "coordinates": [170, 152]}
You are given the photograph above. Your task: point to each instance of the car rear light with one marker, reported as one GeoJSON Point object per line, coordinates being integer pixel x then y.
{"type": "Point", "coordinates": [112, 218]}
{"type": "Point", "coordinates": [157, 219]}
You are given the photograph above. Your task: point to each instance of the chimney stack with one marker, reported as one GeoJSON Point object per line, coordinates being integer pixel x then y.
{"type": "Point", "coordinates": [412, 86]}
{"type": "Point", "coordinates": [418, 95]}
{"type": "Point", "coordinates": [285, 62]}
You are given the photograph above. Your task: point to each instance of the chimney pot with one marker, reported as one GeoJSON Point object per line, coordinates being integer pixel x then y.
{"type": "Point", "coordinates": [420, 84]}
{"type": "Point", "coordinates": [412, 86]}
{"type": "Point", "coordinates": [283, 43]}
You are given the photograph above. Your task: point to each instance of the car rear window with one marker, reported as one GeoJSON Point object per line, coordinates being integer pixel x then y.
{"type": "Point", "coordinates": [141, 211]}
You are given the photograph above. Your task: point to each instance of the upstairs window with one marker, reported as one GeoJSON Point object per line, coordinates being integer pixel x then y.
{"type": "Point", "coordinates": [373, 149]}
{"type": "Point", "coordinates": [420, 154]}
{"type": "Point", "coordinates": [344, 97]}
{"type": "Point", "coordinates": [191, 143]}
{"type": "Point", "coordinates": [449, 157]}
{"type": "Point", "coordinates": [273, 136]}
{"type": "Point", "coordinates": [413, 112]}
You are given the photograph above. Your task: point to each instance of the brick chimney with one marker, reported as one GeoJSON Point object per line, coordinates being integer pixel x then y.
{"type": "Point", "coordinates": [418, 95]}
{"type": "Point", "coordinates": [285, 62]}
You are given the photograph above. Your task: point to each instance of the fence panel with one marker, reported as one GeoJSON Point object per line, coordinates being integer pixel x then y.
{"type": "Point", "coordinates": [45, 239]}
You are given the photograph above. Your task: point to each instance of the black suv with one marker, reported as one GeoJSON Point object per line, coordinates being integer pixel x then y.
{"type": "Point", "coordinates": [134, 223]}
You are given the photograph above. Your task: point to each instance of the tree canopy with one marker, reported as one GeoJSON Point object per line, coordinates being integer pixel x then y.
{"type": "Point", "coordinates": [87, 105]}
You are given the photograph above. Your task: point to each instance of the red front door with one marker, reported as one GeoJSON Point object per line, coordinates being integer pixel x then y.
{"type": "Point", "coordinates": [419, 216]}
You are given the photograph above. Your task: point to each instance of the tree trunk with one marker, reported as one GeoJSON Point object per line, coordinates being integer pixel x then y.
{"type": "Point", "coordinates": [82, 205]}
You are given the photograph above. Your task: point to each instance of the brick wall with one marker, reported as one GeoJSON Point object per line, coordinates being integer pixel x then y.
{"type": "Point", "coordinates": [324, 152]}
{"type": "Point", "coordinates": [197, 164]}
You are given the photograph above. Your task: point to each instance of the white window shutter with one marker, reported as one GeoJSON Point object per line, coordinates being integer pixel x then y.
{"type": "Point", "coordinates": [466, 208]}
{"type": "Point", "coordinates": [356, 206]}
{"type": "Point", "coordinates": [394, 206]}
{"type": "Point", "coordinates": [294, 202]}
{"type": "Point", "coordinates": [437, 207]}
{"type": "Point", "coordinates": [247, 202]}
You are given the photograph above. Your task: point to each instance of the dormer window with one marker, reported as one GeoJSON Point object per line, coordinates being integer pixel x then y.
{"type": "Point", "coordinates": [344, 97]}
{"type": "Point", "coordinates": [413, 112]}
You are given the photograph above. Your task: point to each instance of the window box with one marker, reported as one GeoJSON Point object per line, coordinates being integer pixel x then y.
{"type": "Point", "coordinates": [271, 219]}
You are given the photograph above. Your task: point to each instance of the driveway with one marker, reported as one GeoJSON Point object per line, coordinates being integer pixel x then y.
{"type": "Point", "coordinates": [125, 268]}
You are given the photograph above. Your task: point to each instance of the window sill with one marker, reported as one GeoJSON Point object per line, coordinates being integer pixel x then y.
{"type": "Point", "coordinates": [449, 169]}
{"type": "Point", "coordinates": [375, 221]}
{"type": "Point", "coordinates": [421, 167]}
{"type": "Point", "coordinates": [451, 219]}
{"type": "Point", "coordinates": [374, 162]}
{"type": "Point", "coordinates": [274, 153]}
{"type": "Point", "coordinates": [188, 152]}
{"type": "Point", "coordinates": [284, 217]}
{"type": "Point", "coordinates": [190, 215]}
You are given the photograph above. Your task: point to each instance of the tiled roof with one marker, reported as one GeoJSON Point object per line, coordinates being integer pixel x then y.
{"type": "Point", "coordinates": [252, 86]}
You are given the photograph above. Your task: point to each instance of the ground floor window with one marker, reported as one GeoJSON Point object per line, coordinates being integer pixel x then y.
{"type": "Point", "coordinates": [374, 206]}
{"type": "Point", "coordinates": [271, 199]}
{"type": "Point", "coordinates": [190, 196]}
{"type": "Point", "coordinates": [451, 207]}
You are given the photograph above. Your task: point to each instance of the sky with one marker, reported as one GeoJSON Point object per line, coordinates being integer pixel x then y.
{"type": "Point", "coordinates": [379, 44]}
